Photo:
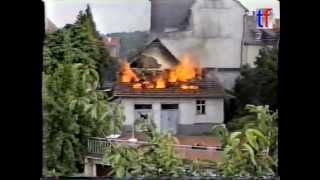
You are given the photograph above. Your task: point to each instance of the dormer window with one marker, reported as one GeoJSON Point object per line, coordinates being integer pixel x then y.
{"type": "Point", "coordinates": [258, 35]}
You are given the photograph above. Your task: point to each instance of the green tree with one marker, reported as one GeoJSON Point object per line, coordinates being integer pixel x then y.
{"type": "Point", "coordinates": [90, 40]}
{"type": "Point", "coordinates": [259, 85]}
{"type": "Point", "coordinates": [251, 150]}
{"type": "Point", "coordinates": [74, 109]}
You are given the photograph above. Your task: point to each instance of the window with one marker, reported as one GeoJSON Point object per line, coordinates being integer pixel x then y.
{"type": "Point", "coordinates": [142, 114]}
{"type": "Point", "coordinates": [142, 106]}
{"type": "Point", "coordinates": [143, 111]}
{"type": "Point", "coordinates": [258, 35]}
{"type": "Point", "coordinates": [169, 106]}
{"type": "Point", "coordinates": [201, 107]}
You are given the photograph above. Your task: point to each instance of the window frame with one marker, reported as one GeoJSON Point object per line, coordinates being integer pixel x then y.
{"type": "Point", "coordinates": [144, 110]}
{"type": "Point", "coordinates": [201, 104]}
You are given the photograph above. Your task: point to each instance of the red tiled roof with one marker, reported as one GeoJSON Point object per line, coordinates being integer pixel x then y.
{"type": "Point", "coordinates": [207, 89]}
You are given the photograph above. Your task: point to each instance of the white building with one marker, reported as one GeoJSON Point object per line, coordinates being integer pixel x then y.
{"type": "Point", "coordinates": [172, 109]}
{"type": "Point", "coordinates": [219, 32]}
{"type": "Point", "coordinates": [255, 40]}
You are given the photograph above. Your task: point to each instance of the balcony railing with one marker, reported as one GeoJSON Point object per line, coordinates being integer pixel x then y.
{"type": "Point", "coordinates": [97, 147]}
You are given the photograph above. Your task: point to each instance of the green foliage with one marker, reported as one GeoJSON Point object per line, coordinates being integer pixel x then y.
{"type": "Point", "coordinates": [80, 42]}
{"type": "Point", "coordinates": [251, 150]}
{"type": "Point", "coordinates": [259, 85]}
{"type": "Point", "coordinates": [148, 127]}
{"type": "Point", "coordinates": [75, 112]}
{"type": "Point", "coordinates": [155, 159]}
{"type": "Point", "coordinates": [74, 109]}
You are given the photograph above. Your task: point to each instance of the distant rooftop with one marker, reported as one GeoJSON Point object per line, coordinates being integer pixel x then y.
{"type": "Point", "coordinates": [111, 41]}
{"type": "Point", "coordinates": [50, 26]}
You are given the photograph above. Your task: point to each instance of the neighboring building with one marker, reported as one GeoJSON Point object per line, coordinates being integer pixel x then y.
{"type": "Point", "coordinates": [180, 111]}
{"type": "Point", "coordinates": [212, 30]}
{"type": "Point", "coordinates": [257, 39]}
{"type": "Point", "coordinates": [113, 45]}
{"type": "Point", "coordinates": [50, 26]}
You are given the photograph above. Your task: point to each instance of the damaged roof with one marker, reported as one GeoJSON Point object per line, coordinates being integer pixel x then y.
{"type": "Point", "coordinates": [208, 88]}
{"type": "Point", "coordinates": [143, 55]}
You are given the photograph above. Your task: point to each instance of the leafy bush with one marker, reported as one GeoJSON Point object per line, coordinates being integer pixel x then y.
{"type": "Point", "coordinates": [251, 150]}
{"type": "Point", "coordinates": [155, 159]}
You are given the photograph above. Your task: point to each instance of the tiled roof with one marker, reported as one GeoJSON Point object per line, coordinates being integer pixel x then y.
{"type": "Point", "coordinates": [208, 88]}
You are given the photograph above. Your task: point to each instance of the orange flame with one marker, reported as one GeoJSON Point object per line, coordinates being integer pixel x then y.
{"type": "Point", "coordinates": [137, 86]}
{"type": "Point", "coordinates": [185, 71]}
{"type": "Point", "coordinates": [127, 73]}
{"type": "Point", "coordinates": [190, 87]}
{"type": "Point", "coordinates": [160, 83]}
{"type": "Point", "coordinates": [148, 85]}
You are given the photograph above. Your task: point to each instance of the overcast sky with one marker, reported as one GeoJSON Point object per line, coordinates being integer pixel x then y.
{"type": "Point", "coordinates": [121, 15]}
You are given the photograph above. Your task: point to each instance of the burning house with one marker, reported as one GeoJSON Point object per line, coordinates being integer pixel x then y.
{"type": "Point", "coordinates": [184, 98]}
{"type": "Point", "coordinates": [211, 29]}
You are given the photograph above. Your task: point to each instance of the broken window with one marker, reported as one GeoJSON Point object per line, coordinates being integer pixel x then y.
{"type": "Point", "coordinates": [143, 111]}
{"type": "Point", "coordinates": [143, 115]}
{"type": "Point", "coordinates": [201, 107]}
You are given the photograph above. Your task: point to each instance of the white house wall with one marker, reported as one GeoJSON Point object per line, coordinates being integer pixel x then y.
{"type": "Point", "coordinates": [161, 59]}
{"type": "Point", "coordinates": [187, 110]}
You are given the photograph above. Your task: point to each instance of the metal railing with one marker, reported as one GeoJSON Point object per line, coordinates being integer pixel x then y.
{"type": "Point", "coordinates": [97, 145]}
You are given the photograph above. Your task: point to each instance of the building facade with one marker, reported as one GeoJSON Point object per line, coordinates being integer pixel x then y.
{"type": "Point", "coordinates": [220, 33]}
{"type": "Point", "coordinates": [181, 111]}
{"type": "Point", "coordinates": [212, 30]}
{"type": "Point", "coordinates": [187, 116]}
{"type": "Point", "coordinates": [255, 40]}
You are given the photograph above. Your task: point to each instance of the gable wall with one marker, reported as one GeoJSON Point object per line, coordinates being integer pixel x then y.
{"type": "Point", "coordinates": [161, 59]}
